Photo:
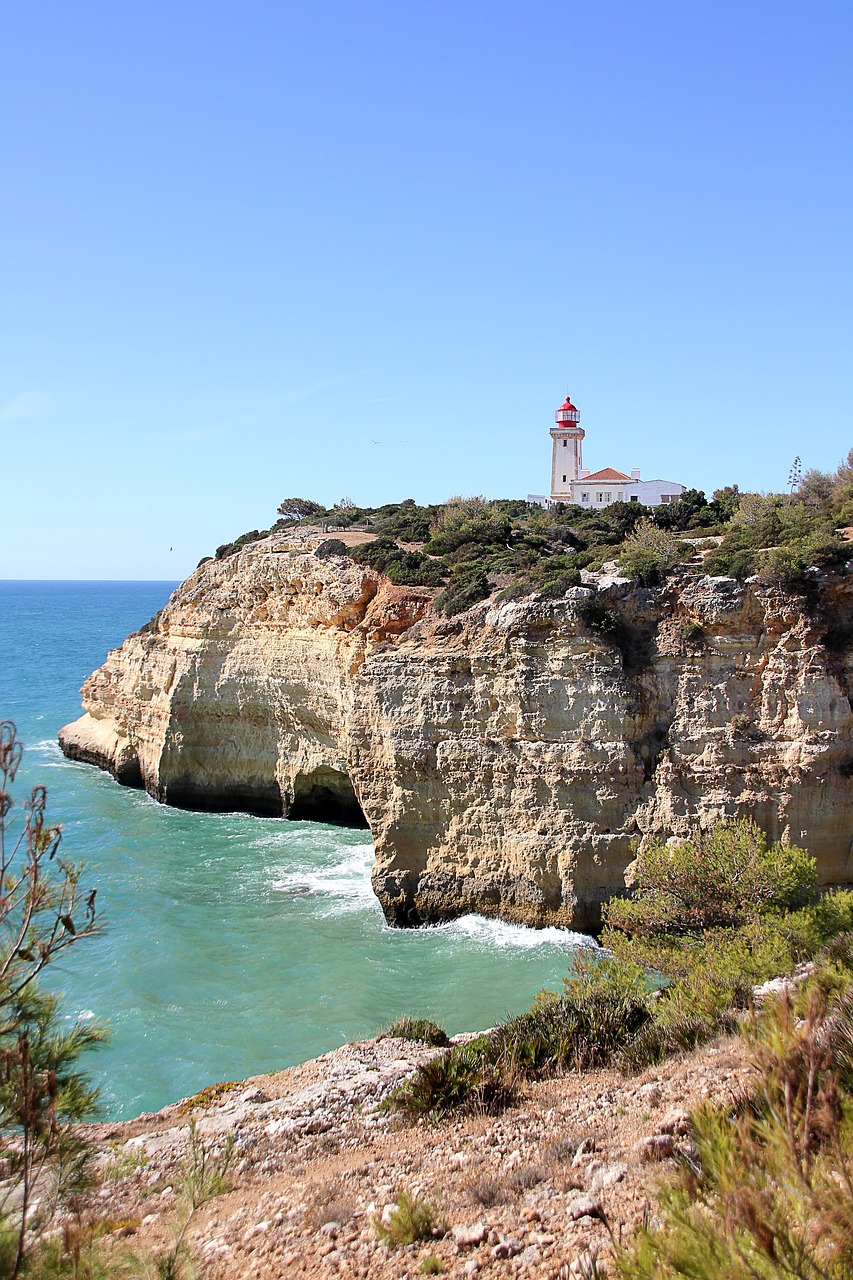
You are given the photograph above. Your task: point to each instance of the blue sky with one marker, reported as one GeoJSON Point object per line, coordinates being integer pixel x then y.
{"type": "Point", "coordinates": [266, 249]}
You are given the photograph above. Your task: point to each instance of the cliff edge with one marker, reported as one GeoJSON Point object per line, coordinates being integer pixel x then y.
{"type": "Point", "coordinates": [504, 759]}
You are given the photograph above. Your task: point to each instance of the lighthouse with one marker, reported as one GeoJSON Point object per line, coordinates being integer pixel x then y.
{"type": "Point", "coordinates": [566, 456]}
{"type": "Point", "coordinates": [573, 484]}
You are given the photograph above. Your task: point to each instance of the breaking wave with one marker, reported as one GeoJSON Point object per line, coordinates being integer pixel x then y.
{"type": "Point", "coordinates": [340, 877]}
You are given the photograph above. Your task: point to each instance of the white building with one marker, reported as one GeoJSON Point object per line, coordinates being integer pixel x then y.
{"type": "Point", "coordinates": [571, 482]}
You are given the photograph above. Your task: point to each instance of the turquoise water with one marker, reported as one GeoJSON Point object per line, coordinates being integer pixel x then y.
{"type": "Point", "coordinates": [235, 944]}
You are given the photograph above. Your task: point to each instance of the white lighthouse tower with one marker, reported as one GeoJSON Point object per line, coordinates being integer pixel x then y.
{"type": "Point", "coordinates": [566, 459]}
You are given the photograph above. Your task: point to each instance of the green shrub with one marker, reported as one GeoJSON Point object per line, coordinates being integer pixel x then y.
{"type": "Point", "coordinates": [722, 877]}
{"type": "Point", "coordinates": [715, 926]}
{"type": "Point", "coordinates": [692, 632]}
{"type": "Point", "coordinates": [600, 618]}
{"type": "Point", "coordinates": [432, 1266]}
{"type": "Point", "coordinates": [691, 511]}
{"type": "Point", "coordinates": [404, 568]}
{"type": "Point", "coordinates": [467, 586]}
{"type": "Point", "coordinates": [413, 569]}
{"type": "Point", "coordinates": [643, 564]}
{"type": "Point", "coordinates": [714, 916]}
{"type": "Point", "coordinates": [330, 547]}
{"type": "Point", "coordinates": [245, 540]}
{"type": "Point", "coordinates": [833, 968]}
{"type": "Point", "coordinates": [604, 1005]}
{"type": "Point", "coordinates": [649, 553]}
{"type": "Point", "coordinates": [661, 1038]}
{"type": "Point", "coordinates": [412, 1220]}
{"type": "Point", "coordinates": [524, 586]}
{"type": "Point", "coordinates": [422, 1029]}
{"type": "Point", "coordinates": [555, 587]}
{"type": "Point", "coordinates": [405, 520]}
{"type": "Point", "coordinates": [466, 1077]}
{"type": "Point", "coordinates": [731, 562]}
{"type": "Point", "coordinates": [783, 567]}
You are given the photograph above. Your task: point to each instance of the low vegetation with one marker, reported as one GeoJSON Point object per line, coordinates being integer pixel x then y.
{"type": "Point", "coordinates": [410, 1220]}
{"type": "Point", "coordinates": [466, 549]}
{"type": "Point", "coordinates": [421, 1029]}
{"type": "Point", "coordinates": [204, 1174]}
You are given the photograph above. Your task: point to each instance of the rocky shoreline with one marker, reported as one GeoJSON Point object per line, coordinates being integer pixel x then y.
{"type": "Point", "coordinates": [541, 1190]}
{"type": "Point", "coordinates": [507, 760]}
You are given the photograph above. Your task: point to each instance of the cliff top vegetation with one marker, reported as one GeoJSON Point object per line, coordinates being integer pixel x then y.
{"type": "Point", "coordinates": [470, 547]}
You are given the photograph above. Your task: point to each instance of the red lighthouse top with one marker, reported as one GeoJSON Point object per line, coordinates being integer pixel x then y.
{"type": "Point", "coordinates": [566, 414]}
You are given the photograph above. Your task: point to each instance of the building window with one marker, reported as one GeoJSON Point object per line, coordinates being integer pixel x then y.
{"type": "Point", "coordinates": [635, 497]}
{"type": "Point", "coordinates": [599, 497]}
{"type": "Point", "coordinates": [668, 497]}
{"type": "Point", "coordinates": [564, 479]}
{"type": "Point", "coordinates": [565, 442]}
{"type": "Point", "coordinates": [584, 497]}
{"type": "Point", "coordinates": [607, 497]}
{"type": "Point", "coordinates": [620, 497]}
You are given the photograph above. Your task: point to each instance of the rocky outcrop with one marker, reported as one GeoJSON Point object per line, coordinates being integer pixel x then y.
{"type": "Point", "coordinates": [506, 759]}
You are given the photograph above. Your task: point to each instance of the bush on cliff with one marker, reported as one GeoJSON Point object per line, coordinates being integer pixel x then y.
{"type": "Point", "coordinates": [467, 545]}
{"type": "Point", "coordinates": [330, 547]}
{"type": "Point", "coordinates": [468, 584]}
{"type": "Point", "coordinates": [244, 540]}
{"type": "Point", "coordinates": [713, 916]}
{"type": "Point", "coordinates": [722, 877]}
{"type": "Point", "coordinates": [421, 1029]}
{"type": "Point", "coordinates": [781, 535]}
{"type": "Point", "coordinates": [404, 568]}
{"type": "Point", "coordinates": [650, 552]}
{"type": "Point", "coordinates": [604, 1006]}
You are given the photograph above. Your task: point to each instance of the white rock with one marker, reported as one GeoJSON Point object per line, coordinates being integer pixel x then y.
{"type": "Point", "coordinates": [609, 1175]}
{"type": "Point", "coordinates": [583, 1207]}
{"type": "Point", "coordinates": [468, 1236]}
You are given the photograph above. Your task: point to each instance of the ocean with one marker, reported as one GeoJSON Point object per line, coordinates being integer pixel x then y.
{"type": "Point", "coordinates": [234, 945]}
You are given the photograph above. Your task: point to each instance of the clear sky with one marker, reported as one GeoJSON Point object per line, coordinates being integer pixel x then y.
{"type": "Point", "coordinates": [267, 249]}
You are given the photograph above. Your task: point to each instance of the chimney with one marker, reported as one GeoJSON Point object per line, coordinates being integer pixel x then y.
{"type": "Point", "coordinates": [635, 473]}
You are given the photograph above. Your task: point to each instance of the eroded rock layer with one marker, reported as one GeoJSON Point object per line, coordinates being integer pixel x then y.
{"type": "Point", "coordinates": [505, 760]}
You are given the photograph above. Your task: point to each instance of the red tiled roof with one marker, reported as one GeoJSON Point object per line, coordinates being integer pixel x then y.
{"type": "Point", "coordinates": [607, 474]}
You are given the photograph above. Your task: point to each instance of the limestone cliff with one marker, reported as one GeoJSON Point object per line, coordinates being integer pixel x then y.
{"type": "Point", "coordinates": [505, 759]}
